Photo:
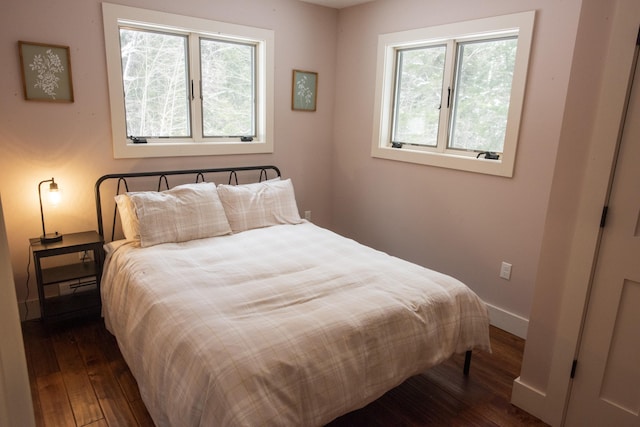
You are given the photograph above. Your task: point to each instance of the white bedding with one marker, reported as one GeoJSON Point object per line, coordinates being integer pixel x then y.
{"type": "Point", "coordinates": [290, 325]}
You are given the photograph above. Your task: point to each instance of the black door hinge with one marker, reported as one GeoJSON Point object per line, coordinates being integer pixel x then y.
{"type": "Point", "coordinates": [573, 368]}
{"type": "Point", "coordinates": [603, 218]}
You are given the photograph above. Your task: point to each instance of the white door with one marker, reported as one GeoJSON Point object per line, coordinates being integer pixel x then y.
{"type": "Point", "coordinates": [606, 387]}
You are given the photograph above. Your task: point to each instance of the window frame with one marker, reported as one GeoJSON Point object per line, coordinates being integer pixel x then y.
{"type": "Point", "coordinates": [116, 16]}
{"type": "Point", "coordinates": [388, 45]}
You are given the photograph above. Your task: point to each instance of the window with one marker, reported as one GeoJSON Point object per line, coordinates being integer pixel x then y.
{"type": "Point", "coordinates": [452, 95]}
{"type": "Point", "coordinates": [182, 86]}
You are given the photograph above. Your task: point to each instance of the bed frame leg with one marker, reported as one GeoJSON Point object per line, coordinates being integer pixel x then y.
{"type": "Point", "coordinates": [467, 363]}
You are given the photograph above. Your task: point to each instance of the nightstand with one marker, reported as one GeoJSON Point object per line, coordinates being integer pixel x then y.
{"type": "Point", "coordinates": [68, 275]}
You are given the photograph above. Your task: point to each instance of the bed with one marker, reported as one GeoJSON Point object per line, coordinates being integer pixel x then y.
{"type": "Point", "coordinates": [231, 310]}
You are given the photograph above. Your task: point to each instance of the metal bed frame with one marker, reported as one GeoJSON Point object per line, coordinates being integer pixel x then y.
{"type": "Point", "coordinates": [163, 183]}
{"type": "Point", "coordinates": [199, 175]}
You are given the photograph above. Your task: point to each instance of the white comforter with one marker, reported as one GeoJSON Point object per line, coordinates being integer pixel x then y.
{"type": "Point", "coordinates": [290, 325]}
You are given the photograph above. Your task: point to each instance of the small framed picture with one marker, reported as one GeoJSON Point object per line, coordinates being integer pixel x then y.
{"type": "Point", "coordinates": [46, 72]}
{"type": "Point", "coordinates": [304, 91]}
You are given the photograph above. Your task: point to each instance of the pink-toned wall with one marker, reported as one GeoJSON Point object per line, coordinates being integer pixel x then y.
{"type": "Point", "coordinates": [461, 223]}
{"type": "Point", "coordinates": [544, 220]}
{"type": "Point", "coordinates": [602, 69]}
{"type": "Point", "coordinates": [72, 142]}
{"type": "Point", "coordinates": [591, 44]}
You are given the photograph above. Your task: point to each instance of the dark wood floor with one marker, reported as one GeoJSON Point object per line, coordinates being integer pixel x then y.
{"type": "Point", "coordinates": [78, 378]}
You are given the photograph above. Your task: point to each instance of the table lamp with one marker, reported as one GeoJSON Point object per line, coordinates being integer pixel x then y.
{"type": "Point", "coordinates": [54, 198]}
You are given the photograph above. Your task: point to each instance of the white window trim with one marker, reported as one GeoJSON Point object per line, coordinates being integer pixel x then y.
{"type": "Point", "coordinates": [383, 108]}
{"type": "Point", "coordinates": [116, 15]}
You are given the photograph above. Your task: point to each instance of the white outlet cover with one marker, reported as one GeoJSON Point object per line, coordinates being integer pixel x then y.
{"type": "Point", "coordinates": [505, 270]}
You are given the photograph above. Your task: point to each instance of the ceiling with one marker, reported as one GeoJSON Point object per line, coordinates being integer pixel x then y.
{"type": "Point", "coordinates": [337, 4]}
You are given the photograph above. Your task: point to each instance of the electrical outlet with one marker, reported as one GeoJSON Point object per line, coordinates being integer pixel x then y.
{"type": "Point", "coordinates": [505, 270]}
{"type": "Point", "coordinates": [307, 215]}
{"type": "Point", "coordinates": [85, 256]}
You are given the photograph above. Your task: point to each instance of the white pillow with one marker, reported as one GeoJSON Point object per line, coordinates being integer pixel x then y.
{"type": "Point", "coordinates": [128, 218]}
{"type": "Point", "coordinates": [185, 212]}
{"type": "Point", "coordinates": [259, 205]}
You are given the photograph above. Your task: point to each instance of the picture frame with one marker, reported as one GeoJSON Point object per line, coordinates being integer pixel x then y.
{"type": "Point", "coordinates": [304, 90]}
{"type": "Point", "coordinates": [46, 72]}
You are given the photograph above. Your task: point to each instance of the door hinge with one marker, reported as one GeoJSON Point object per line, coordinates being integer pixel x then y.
{"type": "Point", "coordinates": [603, 218]}
{"type": "Point", "coordinates": [573, 368]}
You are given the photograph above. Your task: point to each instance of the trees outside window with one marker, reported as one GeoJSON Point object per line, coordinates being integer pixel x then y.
{"type": "Point", "coordinates": [452, 95]}
{"type": "Point", "coordinates": [187, 86]}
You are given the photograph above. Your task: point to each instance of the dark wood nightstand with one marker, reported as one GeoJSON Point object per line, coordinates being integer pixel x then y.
{"type": "Point", "coordinates": [77, 280]}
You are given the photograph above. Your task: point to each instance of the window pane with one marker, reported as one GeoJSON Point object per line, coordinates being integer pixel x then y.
{"type": "Point", "coordinates": [228, 88]}
{"type": "Point", "coordinates": [418, 95]}
{"type": "Point", "coordinates": [481, 95]}
{"type": "Point", "coordinates": [154, 73]}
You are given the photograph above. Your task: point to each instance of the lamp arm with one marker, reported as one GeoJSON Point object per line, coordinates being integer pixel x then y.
{"type": "Point", "coordinates": [44, 233]}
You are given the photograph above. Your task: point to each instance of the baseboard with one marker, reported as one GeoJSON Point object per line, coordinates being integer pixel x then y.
{"type": "Point", "coordinates": [509, 322]}
{"type": "Point", "coordinates": [532, 401]}
{"type": "Point", "coordinates": [29, 310]}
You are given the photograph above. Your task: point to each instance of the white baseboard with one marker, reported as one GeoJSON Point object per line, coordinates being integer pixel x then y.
{"type": "Point", "coordinates": [33, 311]}
{"type": "Point", "coordinates": [534, 402]}
{"type": "Point", "coordinates": [509, 322]}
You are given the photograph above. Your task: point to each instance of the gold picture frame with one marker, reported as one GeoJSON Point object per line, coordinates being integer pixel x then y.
{"type": "Point", "coordinates": [46, 72]}
{"type": "Point", "coordinates": [304, 90]}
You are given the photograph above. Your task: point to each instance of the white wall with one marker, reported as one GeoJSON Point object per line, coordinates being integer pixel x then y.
{"type": "Point", "coordinates": [461, 223]}
{"type": "Point", "coordinates": [607, 34]}
{"type": "Point", "coordinates": [16, 408]}
{"type": "Point", "coordinates": [72, 142]}
{"type": "Point", "coordinates": [544, 220]}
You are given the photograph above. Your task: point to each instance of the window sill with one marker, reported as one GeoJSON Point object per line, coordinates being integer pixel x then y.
{"type": "Point", "coordinates": [445, 160]}
{"type": "Point", "coordinates": [181, 149]}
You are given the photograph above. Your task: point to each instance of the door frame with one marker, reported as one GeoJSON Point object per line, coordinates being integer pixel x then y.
{"type": "Point", "coordinates": [16, 405]}
{"type": "Point", "coordinates": [596, 279]}
{"type": "Point", "coordinates": [550, 403]}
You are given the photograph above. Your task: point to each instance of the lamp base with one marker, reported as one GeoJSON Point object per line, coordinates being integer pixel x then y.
{"type": "Point", "coordinates": [51, 238]}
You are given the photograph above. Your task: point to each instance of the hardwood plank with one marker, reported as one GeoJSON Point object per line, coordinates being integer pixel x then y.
{"type": "Point", "coordinates": [441, 396]}
{"type": "Point", "coordinates": [39, 349]}
{"type": "Point", "coordinates": [125, 378]}
{"type": "Point", "coordinates": [56, 409]}
{"type": "Point", "coordinates": [118, 366]}
{"type": "Point", "coordinates": [141, 413]}
{"type": "Point", "coordinates": [83, 400]}
{"type": "Point", "coordinates": [114, 405]}
{"type": "Point", "coordinates": [35, 396]}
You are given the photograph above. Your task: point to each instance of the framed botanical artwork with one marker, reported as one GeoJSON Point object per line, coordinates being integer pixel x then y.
{"type": "Point", "coordinates": [304, 90]}
{"type": "Point", "coordinates": [46, 72]}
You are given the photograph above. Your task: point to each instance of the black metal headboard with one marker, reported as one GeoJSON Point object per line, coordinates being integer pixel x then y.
{"type": "Point", "coordinates": [230, 176]}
